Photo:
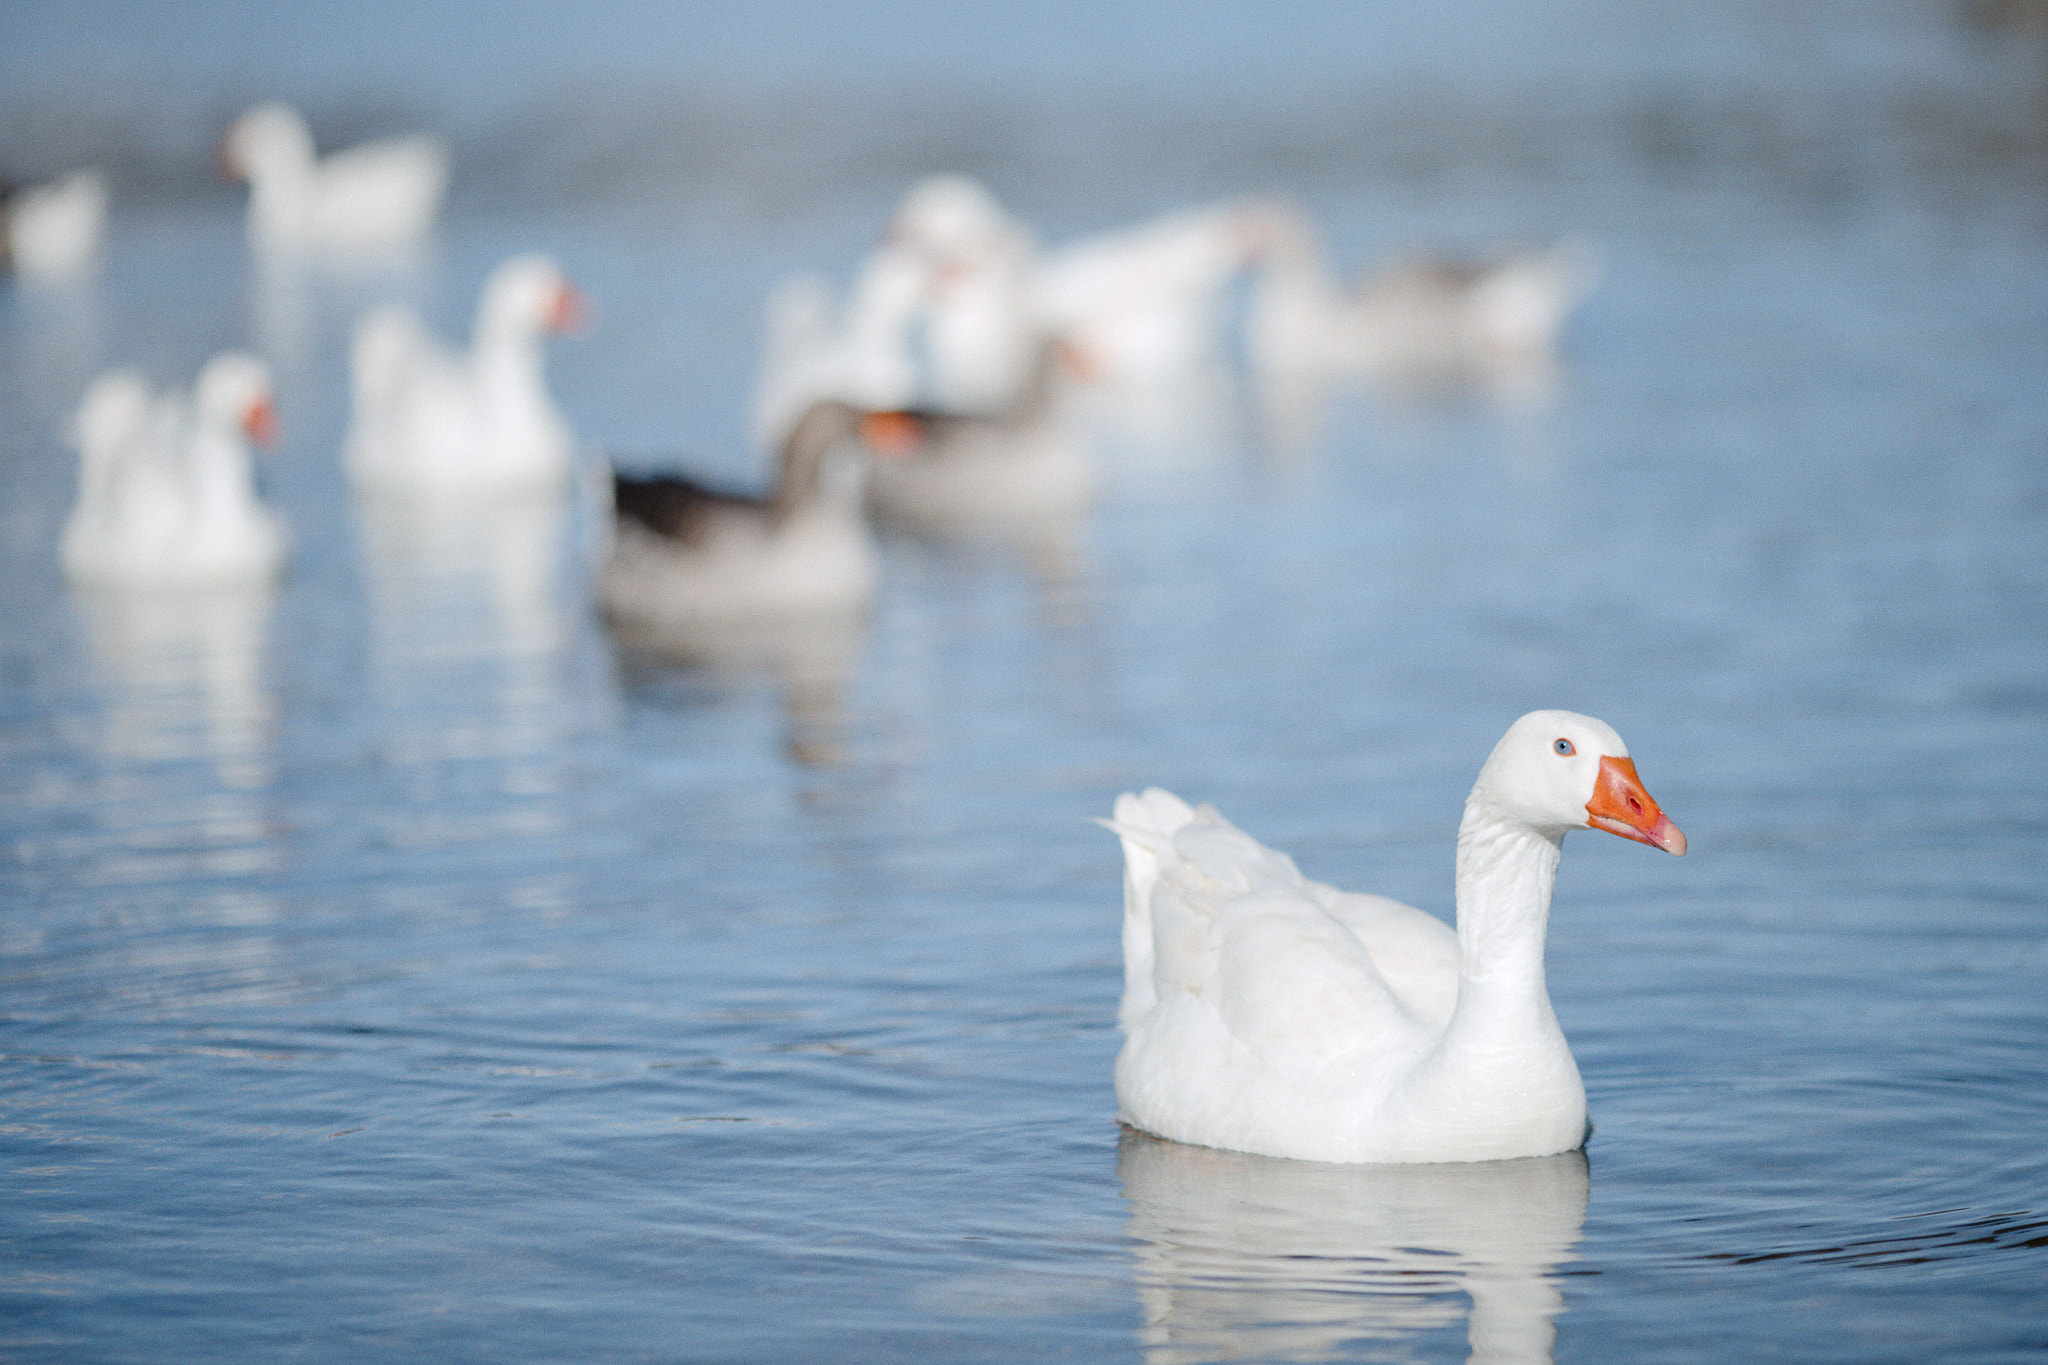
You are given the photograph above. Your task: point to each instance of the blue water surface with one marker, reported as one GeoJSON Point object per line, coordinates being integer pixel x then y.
{"type": "Point", "coordinates": [396, 967]}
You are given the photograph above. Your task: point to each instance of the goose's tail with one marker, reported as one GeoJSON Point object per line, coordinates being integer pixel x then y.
{"type": "Point", "coordinates": [1146, 822]}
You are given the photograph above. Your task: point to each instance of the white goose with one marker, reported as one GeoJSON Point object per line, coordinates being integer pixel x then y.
{"type": "Point", "coordinates": [429, 421]}
{"type": "Point", "coordinates": [1145, 303]}
{"type": "Point", "coordinates": [167, 495]}
{"type": "Point", "coordinates": [379, 196]}
{"type": "Point", "coordinates": [107, 432]}
{"type": "Point", "coordinates": [52, 231]}
{"type": "Point", "coordinates": [980, 332]}
{"type": "Point", "coordinates": [1267, 1013]}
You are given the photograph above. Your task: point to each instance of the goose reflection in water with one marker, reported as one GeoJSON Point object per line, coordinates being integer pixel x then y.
{"type": "Point", "coordinates": [183, 810]}
{"type": "Point", "coordinates": [181, 677]}
{"type": "Point", "coordinates": [811, 659]}
{"type": "Point", "coordinates": [471, 635]}
{"type": "Point", "coordinates": [1255, 1258]}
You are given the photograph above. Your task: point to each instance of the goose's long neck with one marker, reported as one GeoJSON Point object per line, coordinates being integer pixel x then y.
{"type": "Point", "coordinates": [509, 360]}
{"type": "Point", "coordinates": [1506, 870]}
{"type": "Point", "coordinates": [219, 468]}
{"type": "Point", "coordinates": [801, 478]}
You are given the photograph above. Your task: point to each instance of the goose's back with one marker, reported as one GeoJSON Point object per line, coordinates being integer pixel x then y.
{"type": "Point", "coordinates": [1260, 1006]}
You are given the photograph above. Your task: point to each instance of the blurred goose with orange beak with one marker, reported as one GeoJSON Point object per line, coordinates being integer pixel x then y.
{"type": "Point", "coordinates": [167, 491]}
{"type": "Point", "coordinates": [430, 421]}
{"type": "Point", "coordinates": [683, 553]}
{"type": "Point", "coordinates": [1267, 1013]}
{"type": "Point", "coordinates": [380, 196]}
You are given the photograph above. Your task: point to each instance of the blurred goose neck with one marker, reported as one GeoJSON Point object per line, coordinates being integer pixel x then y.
{"type": "Point", "coordinates": [800, 477]}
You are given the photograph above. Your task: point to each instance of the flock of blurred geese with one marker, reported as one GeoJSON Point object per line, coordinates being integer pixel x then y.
{"type": "Point", "coordinates": [943, 385]}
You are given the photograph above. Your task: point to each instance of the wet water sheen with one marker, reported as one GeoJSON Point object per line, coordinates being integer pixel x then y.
{"type": "Point", "coordinates": [396, 966]}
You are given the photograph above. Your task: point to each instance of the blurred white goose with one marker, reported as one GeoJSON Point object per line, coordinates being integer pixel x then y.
{"type": "Point", "coordinates": [683, 553]}
{"type": "Point", "coordinates": [378, 196]}
{"type": "Point", "coordinates": [430, 421]}
{"type": "Point", "coordinates": [980, 330]}
{"type": "Point", "coordinates": [108, 432]}
{"type": "Point", "coordinates": [1426, 314]}
{"type": "Point", "coordinates": [52, 231]}
{"type": "Point", "coordinates": [167, 495]}
{"type": "Point", "coordinates": [1145, 303]}
{"type": "Point", "coordinates": [1267, 1013]}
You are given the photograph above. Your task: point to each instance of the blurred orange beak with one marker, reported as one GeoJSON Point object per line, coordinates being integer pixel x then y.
{"type": "Point", "coordinates": [223, 162]}
{"type": "Point", "coordinates": [1078, 362]}
{"type": "Point", "coordinates": [1621, 806]}
{"type": "Point", "coordinates": [895, 434]}
{"type": "Point", "coordinates": [571, 312]}
{"type": "Point", "coordinates": [261, 423]}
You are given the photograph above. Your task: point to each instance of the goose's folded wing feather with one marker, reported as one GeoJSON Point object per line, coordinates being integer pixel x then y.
{"type": "Point", "coordinates": [1236, 926]}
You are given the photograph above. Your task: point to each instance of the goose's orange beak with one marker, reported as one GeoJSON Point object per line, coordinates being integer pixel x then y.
{"type": "Point", "coordinates": [261, 423]}
{"type": "Point", "coordinates": [571, 313]}
{"type": "Point", "coordinates": [1621, 806]}
{"type": "Point", "coordinates": [895, 434]}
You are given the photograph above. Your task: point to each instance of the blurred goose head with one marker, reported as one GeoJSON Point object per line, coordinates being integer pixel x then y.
{"type": "Point", "coordinates": [527, 296]}
{"type": "Point", "coordinates": [233, 392]}
{"type": "Point", "coordinates": [268, 141]}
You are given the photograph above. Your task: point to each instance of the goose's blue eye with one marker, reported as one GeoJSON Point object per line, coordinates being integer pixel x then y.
{"type": "Point", "coordinates": [1564, 748]}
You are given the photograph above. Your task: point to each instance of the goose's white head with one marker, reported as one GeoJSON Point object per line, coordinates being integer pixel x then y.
{"type": "Point", "coordinates": [233, 390]}
{"type": "Point", "coordinates": [269, 139]}
{"type": "Point", "coordinates": [958, 231]}
{"type": "Point", "coordinates": [1558, 770]}
{"type": "Point", "coordinates": [528, 295]}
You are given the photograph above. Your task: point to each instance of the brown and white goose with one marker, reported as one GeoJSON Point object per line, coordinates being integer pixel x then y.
{"type": "Point", "coordinates": [684, 552]}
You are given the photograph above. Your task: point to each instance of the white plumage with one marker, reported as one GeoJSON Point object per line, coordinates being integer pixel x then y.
{"type": "Point", "coordinates": [167, 494]}
{"type": "Point", "coordinates": [379, 196]}
{"type": "Point", "coordinates": [53, 230]}
{"type": "Point", "coordinates": [1267, 1013]}
{"type": "Point", "coordinates": [428, 420]}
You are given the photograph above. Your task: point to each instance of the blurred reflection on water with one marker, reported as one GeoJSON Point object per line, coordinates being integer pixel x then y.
{"type": "Point", "coordinates": [183, 676]}
{"type": "Point", "coordinates": [470, 617]}
{"type": "Point", "coordinates": [186, 745]}
{"type": "Point", "coordinates": [1252, 1258]}
{"type": "Point", "coordinates": [811, 661]}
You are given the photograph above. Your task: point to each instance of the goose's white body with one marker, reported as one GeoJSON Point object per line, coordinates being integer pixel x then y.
{"type": "Point", "coordinates": [1414, 317]}
{"type": "Point", "coordinates": [979, 326]}
{"type": "Point", "coordinates": [431, 421]}
{"type": "Point", "coordinates": [1145, 303]}
{"type": "Point", "coordinates": [53, 230]}
{"type": "Point", "coordinates": [167, 495]}
{"type": "Point", "coordinates": [379, 196]}
{"type": "Point", "coordinates": [1267, 1013]}
{"type": "Point", "coordinates": [819, 562]}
